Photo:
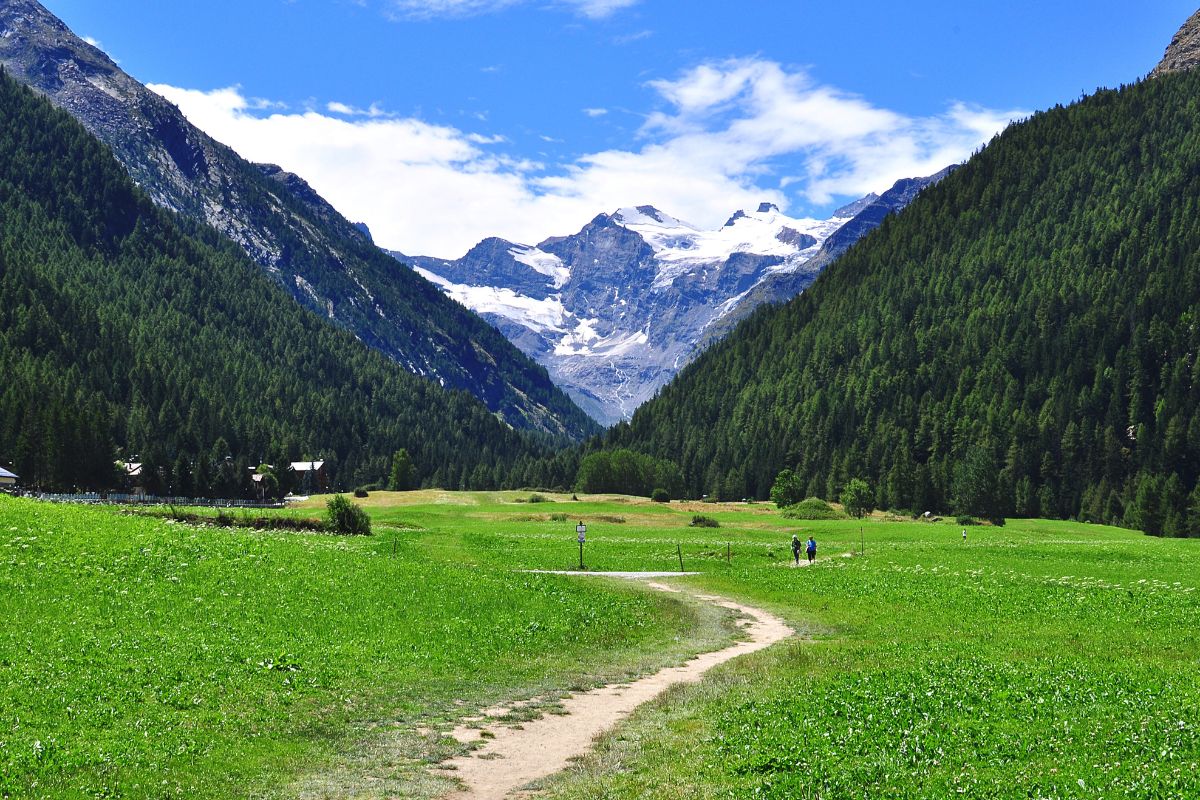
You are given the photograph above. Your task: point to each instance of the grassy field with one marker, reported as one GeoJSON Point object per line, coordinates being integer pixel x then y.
{"type": "Point", "coordinates": [140, 658]}
{"type": "Point", "coordinates": [1042, 659]}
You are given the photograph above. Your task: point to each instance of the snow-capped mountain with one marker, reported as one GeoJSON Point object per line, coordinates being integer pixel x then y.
{"type": "Point", "coordinates": [614, 311]}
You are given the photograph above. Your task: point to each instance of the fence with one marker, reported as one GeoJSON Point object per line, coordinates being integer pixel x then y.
{"type": "Point", "coordinates": [117, 498]}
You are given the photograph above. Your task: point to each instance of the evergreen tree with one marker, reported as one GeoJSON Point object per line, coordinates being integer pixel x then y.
{"type": "Point", "coordinates": [1020, 337]}
{"type": "Point", "coordinates": [402, 478]}
{"type": "Point", "coordinates": [127, 329]}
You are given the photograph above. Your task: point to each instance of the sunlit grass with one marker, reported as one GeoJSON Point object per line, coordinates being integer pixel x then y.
{"type": "Point", "coordinates": [1042, 659]}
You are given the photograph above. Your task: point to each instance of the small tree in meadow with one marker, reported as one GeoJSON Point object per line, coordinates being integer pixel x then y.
{"type": "Point", "coordinates": [788, 489]}
{"type": "Point", "coordinates": [858, 498]}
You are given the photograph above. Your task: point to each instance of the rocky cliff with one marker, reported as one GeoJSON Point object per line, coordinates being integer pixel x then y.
{"type": "Point", "coordinates": [1184, 51]}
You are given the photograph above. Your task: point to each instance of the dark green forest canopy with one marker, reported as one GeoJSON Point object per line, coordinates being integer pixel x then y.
{"type": "Point", "coordinates": [127, 330]}
{"type": "Point", "coordinates": [1036, 311]}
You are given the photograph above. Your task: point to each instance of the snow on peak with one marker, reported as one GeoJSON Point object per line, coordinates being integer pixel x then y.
{"type": "Point", "coordinates": [766, 231]}
{"type": "Point", "coordinates": [648, 217]}
{"type": "Point", "coordinates": [542, 262]}
{"type": "Point", "coordinates": [538, 315]}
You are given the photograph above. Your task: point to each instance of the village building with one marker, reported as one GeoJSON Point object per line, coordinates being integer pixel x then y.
{"type": "Point", "coordinates": [133, 478]}
{"type": "Point", "coordinates": [7, 478]}
{"type": "Point", "coordinates": [311, 477]}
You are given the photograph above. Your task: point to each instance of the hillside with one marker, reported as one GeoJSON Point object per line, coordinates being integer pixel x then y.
{"type": "Point", "coordinates": [322, 261]}
{"type": "Point", "coordinates": [1030, 324]}
{"type": "Point", "coordinates": [124, 327]}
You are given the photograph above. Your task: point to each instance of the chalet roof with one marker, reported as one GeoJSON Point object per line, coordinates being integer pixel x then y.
{"type": "Point", "coordinates": [6, 474]}
{"type": "Point", "coordinates": [133, 469]}
{"type": "Point", "coordinates": [307, 466]}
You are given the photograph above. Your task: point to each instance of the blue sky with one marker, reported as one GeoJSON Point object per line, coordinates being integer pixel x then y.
{"type": "Point", "coordinates": [440, 122]}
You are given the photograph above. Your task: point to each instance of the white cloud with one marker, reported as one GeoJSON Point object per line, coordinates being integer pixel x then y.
{"type": "Point", "coordinates": [430, 9]}
{"type": "Point", "coordinates": [345, 110]}
{"type": "Point", "coordinates": [730, 134]}
{"type": "Point", "coordinates": [595, 112]}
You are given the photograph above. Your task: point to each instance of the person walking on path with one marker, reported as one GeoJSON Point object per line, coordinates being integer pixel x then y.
{"type": "Point", "coordinates": [796, 548]}
{"type": "Point", "coordinates": [812, 549]}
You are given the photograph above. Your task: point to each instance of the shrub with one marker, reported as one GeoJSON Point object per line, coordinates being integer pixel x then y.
{"type": "Point", "coordinates": [537, 498]}
{"type": "Point", "coordinates": [559, 517]}
{"type": "Point", "coordinates": [344, 517]}
{"type": "Point", "coordinates": [661, 496]}
{"type": "Point", "coordinates": [361, 492]}
{"type": "Point", "coordinates": [813, 508]}
{"type": "Point", "coordinates": [967, 521]}
{"type": "Point", "coordinates": [701, 521]}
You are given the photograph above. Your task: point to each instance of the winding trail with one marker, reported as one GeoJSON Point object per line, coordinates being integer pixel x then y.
{"type": "Point", "coordinates": [517, 756]}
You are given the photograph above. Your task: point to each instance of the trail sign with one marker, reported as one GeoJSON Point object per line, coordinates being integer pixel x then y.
{"type": "Point", "coordinates": [581, 529]}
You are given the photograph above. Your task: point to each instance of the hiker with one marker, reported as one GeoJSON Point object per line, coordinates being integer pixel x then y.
{"type": "Point", "coordinates": [812, 549]}
{"type": "Point", "coordinates": [964, 534]}
{"type": "Point", "coordinates": [796, 548]}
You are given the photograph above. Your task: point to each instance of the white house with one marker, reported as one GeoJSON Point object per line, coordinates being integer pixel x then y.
{"type": "Point", "coordinates": [8, 478]}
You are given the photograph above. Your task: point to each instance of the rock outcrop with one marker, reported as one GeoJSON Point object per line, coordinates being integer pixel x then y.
{"type": "Point", "coordinates": [1184, 51]}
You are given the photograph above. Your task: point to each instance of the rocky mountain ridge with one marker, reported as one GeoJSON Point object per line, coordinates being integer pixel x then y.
{"type": "Point", "coordinates": [1184, 51]}
{"type": "Point", "coordinates": [324, 261]}
{"type": "Point", "coordinates": [616, 310]}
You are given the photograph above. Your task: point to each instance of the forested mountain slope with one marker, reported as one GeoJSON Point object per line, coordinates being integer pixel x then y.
{"type": "Point", "coordinates": [1033, 318]}
{"type": "Point", "coordinates": [124, 326]}
{"type": "Point", "coordinates": [291, 232]}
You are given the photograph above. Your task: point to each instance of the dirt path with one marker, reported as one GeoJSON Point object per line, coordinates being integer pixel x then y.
{"type": "Point", "coordinates": [514, 757]}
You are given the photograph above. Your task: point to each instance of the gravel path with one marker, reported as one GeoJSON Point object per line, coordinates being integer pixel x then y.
{"type": "Point", "coordinates": [515, 756]}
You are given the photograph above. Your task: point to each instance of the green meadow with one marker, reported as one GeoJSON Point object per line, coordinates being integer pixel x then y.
{"type": "Point", "coordinates": [142, 657]}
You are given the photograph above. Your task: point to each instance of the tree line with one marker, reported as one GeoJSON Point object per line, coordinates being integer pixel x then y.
{"type": "Point", "coordinates": [1025, 332]}
{"type": "Point", "coordinates": [128, 331]}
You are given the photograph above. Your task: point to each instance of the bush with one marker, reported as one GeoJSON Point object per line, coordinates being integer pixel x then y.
{"type": "Point", "coordinates": [361, 492]}
{"type": "Point", "coordinates": [701, 521]}
{"type": "Point", "coordinates": [813, 508]}
{"type": "Point", "coordinates": [560, 517]}
{"type": "Point", "coordinates": [344, 517]}
{"type": "Point", "coordinates": [537, 498]}
{"type": "Point", "coordinates": [661, 496]}
{"type": "Point", "coordinates": [964, 521]}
